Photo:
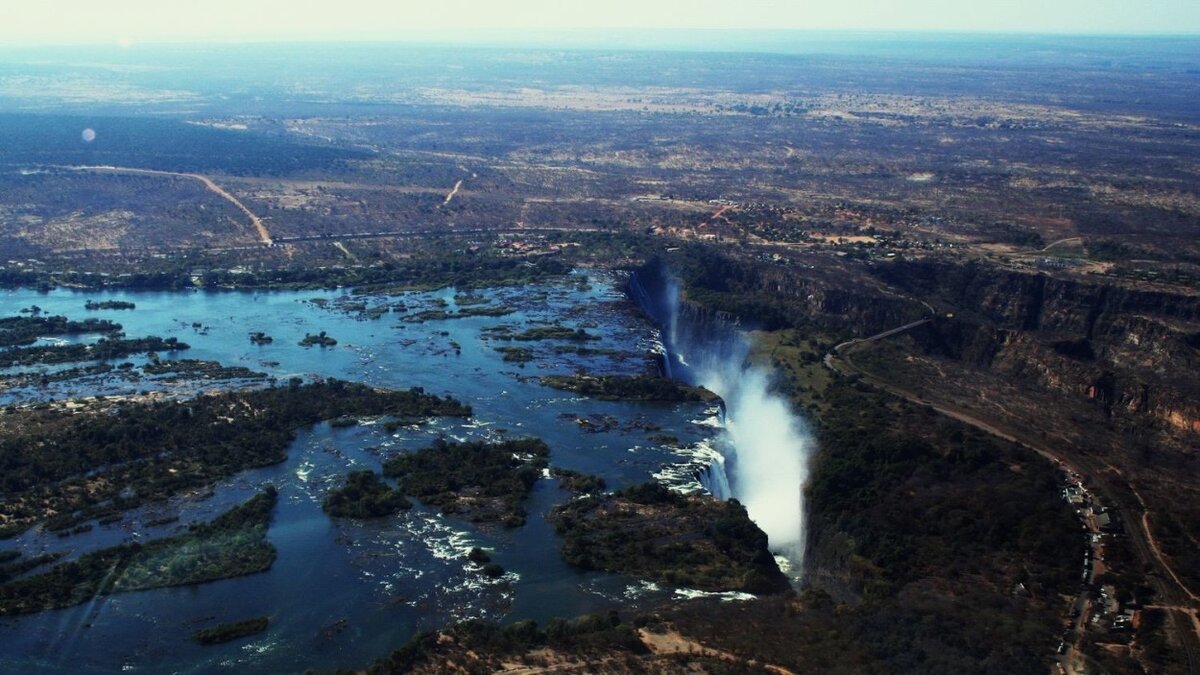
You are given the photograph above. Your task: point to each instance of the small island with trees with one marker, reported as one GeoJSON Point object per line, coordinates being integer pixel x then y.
{"type": "Point", "coordinates": [25, 330]}
{"type": "Point", "coordinates": [629, 388]}
{"type": "Point", "coordinates": [320, 339]}
{"type": "Point", "coordinates": [651, 532]}
{"type": "Point", "coordinates": [103, 349]}
{"type": "Point", "coordinates": [538, 333]}
{"type": "Point", "coordinates": [363, 494]}
{"type": "Point", "coordinates": [485, 482]}
{"type": "Point", "coordinates": [228, 632]}
{"type": "Point", "coordinates": [93, 305]}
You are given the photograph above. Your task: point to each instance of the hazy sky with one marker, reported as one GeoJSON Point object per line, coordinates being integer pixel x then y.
{"type": "Point", "coordinates": [113, 21]}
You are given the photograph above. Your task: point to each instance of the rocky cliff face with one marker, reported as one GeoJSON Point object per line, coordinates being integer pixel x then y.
{"type": "Point", "coordinates": [1026, 301]}
{"type": "Point", "coordinates": [841, 300]}
{"type": "Point", "coordinates": [1132, 352]}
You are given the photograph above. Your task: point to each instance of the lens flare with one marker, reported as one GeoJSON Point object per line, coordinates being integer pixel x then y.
{"type": "Point", "coordinates": [88, 135]}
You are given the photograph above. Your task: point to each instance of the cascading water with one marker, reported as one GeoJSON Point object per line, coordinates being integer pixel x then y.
{"type": "Point", "coordinates": [761, 456]}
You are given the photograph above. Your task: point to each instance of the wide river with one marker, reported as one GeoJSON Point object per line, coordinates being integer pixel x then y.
{"type": "Point", "coordinates": [344, 592]}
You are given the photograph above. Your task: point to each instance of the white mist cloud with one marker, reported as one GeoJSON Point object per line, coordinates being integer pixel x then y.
{"type": "Point", "coordinates": [769, 445]}
{"type": "Point", "coordinates": [766, 445]}
{"type": "Point", "coordinates": [772, 457]}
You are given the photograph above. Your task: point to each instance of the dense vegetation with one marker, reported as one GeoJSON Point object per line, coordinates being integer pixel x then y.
{"type": "Point", "coordinates": [43, 378]}
{"type": "Point", "coordinates": [483, 647]}
{"type": "Point", "coordinates": [462, 313]}
{"type": "Point", "coordinates": [516, 354]}
{"type": "Point", "coordinates": [932, 549]}
{"type": "Point", "coordinates": [483, 481]}
{"type": "Point", "coordinates": [577, 482]}
{"type": "Point", "coordinates": [449, 268]}
{"type": "Point", "coordinates": [196, 369]}
{"type": "Point", "coordinates": [25, 330]}
{"type": "Point", "coordinates": [364, 495]}
{"type": "Point", "coordinates": [104, 348]}
{"type": "Point", "coordinates": [651, 532]}
{"type": "Point", "coordinates": [544, 333]}
{"type": "Point", "coordinates": [13, 565]}
{"type": "Point", "coordinates": [108, 304]}
{"type": "Point", "coordinates": [228, 632]}
{"type": "Point", "coordinates": [83, 465]}
{"type": "Point", "coordinates": [234, 544]}
{"type": "Point", "coordinates": [965, 501]}
{"type": "Point", "coordinates": [628, 388]}
{"type": "Point", "coordinates": [320, 339]}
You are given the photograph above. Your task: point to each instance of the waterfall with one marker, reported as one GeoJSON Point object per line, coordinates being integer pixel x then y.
{"type": "Point", "coordinates": [715, 478]}
{"type": "Point", "coordinates": [762, 452]}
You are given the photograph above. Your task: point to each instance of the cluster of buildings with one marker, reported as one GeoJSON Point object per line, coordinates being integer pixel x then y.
{"type": "Point", "coordinates": [1102, 608]}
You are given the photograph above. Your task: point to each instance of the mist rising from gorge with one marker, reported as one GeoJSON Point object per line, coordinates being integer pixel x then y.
{"type": "Point", "coordinates": [764, 445]}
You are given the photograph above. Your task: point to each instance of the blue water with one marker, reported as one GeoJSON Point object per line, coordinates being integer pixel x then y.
{"type": "Point", "coordinates": [342, 593]}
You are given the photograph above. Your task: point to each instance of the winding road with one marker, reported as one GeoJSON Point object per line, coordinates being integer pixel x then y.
{"type": "Point", "coordinates": [263, 234]}
{"type": "Point", "coordinates": [1173, 595]}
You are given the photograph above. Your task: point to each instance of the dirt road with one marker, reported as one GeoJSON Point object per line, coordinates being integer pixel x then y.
{"type": "Point", "coordinates": [261, 229]}
{"type": "Point", "coordinates": [1061, 241]}
{"type": "Point", "coordinates": [457, 187]}
{"type": "Point", "coordinates": [1171, 591]}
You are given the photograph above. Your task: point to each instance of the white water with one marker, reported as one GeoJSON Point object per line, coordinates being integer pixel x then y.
{"type": "Point", "coordinates": [765, 446]}
{"type": "Point", "coordinates": [769, 449]}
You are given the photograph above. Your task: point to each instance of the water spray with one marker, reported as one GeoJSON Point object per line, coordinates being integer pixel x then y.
{"type": "Point", "coordinates": [764, 447]}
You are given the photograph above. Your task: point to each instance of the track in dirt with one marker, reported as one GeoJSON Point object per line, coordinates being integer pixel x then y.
{"type": "Point", "coordinates": [260, 228]}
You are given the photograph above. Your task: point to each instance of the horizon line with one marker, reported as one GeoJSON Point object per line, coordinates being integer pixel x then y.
{"type": "Point", "coordinates": [535, 37]}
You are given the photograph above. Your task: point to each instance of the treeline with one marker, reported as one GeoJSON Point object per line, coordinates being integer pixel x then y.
{"type": "Point", "coordinates": [197, 369]}
{"type": "Point", "coordinates": [92, 305]}
{"type": "Point", "coordinates": [542, 333]}
{"type": "Point", "coordinates": [150, 450]}
{"type": "Point", "coordinates": [13, 565]}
